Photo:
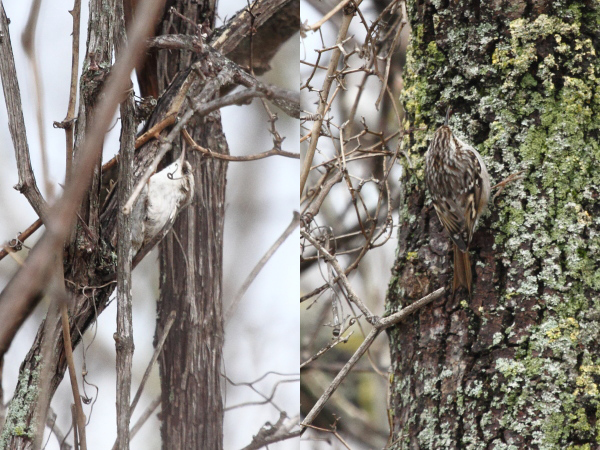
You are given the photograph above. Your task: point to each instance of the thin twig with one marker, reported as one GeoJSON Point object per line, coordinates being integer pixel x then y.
{"type": "Point", "coordinates": [315, 26]}
{"type": "Point", "coordinates": [259, 266]}
{"type": "Point", "coordinates": [388, 64]}
{"type": "Point", "coordinates": [325, 349]}
{"type": "Point", "coordinates": [324, 94]}
{"type": "Point", "coordinates": [28, 41]}
{"type": "Point", "coordinates": [74, 425]}
{"type": "Point", "coordinates": [157, 350]}
{"type": "Point", "coordinates": [332, 431]}
{"type": "Point", "coordinates": [15, 244]}
{"type": "Point", "coordinates": [211, 154]}
{"type": "Point", "coordinates": [60, 436]}
{"type": "Point", "coordinates": [144, 417]}
{"type": "Point", "coordinates": [154, 132]}
{"type": "Point", "coordinates": [272, 433]}
{"type": "Point", "coordinates": [379, 326]}
{"type": "Point", "coordinates": [342, 277]}
{"type": "Point", "coordinates": [79, 418]}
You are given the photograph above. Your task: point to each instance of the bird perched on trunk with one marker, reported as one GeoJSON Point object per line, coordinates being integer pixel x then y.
{"type": "Point", "coordinates": [166, 193]}
{"type": "Point", "coordinates": [459, 185]}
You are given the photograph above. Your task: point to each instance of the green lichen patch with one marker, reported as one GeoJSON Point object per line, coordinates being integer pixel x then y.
{"type": "Point", "coordinates": [526, 94]}
{"type": "Point", "coordinates": [17, 422]}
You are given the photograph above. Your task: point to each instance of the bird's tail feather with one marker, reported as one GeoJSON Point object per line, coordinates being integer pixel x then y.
{"type": "Point", "coordinates": [462, 270]}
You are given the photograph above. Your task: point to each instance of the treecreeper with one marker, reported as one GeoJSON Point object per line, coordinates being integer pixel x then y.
{"type": "Point", "coordinates": [459, 186]}
{"type": "Point", "coordinates": [162, 198]}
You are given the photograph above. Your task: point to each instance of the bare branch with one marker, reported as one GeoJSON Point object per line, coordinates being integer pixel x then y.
{"type": "Point", "coordinates": [23, 288]}
{"type": "Point", "coordinates": [124, 335]}
{"type": "Point", "coordinates": [79, 416]}
{"type": "Point", "coordinates": [211, 154]}
{"type": "Point", "coordinates": [248, 281]}
{"type": "Point", "coordinates": [67, 124]}
{"type": "Point", "coordinates": [324, 94]}
{"type": "Point", "coordinates": [381, 325]}
{"type": "Point", "coordinates": [16, 124]}
{"type": "Point", "coordinates": [342, 277]}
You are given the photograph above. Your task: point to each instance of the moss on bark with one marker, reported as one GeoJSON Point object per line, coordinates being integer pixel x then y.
{"type": "Point", "coordinates": [517, 365]}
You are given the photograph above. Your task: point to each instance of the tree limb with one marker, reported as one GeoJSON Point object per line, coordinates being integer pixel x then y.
{"type": "Point", "coordinates": [20, 296]}
{"type": "Point", "coordinates": [379, 326]}
{"type": "Point", "coordinates": [16, 123]}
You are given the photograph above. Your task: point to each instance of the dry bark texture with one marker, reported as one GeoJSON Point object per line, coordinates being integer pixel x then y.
{"type": "Point", "coordinates": [191, 277]}
{"type": "Point", "coordinates": [516, 366]}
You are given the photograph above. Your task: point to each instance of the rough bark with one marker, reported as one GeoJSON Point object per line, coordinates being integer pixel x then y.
{"type": "Point", "coordinates": [517, 365]}
{"type": "Point", "coordinates": [191, 274]}
{"type": "Point", "coordinates": [85, 259]}
{"type": "Point", "coordinates": [125, 222]}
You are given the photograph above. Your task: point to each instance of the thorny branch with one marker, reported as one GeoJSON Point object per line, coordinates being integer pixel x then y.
{"type": "Point", "coordinates": [16, 123]}
{"type": "Point", "coordinates": [346, 191]}
{"type": "Point", "coordinates": [277, 432]}
{"type": "Point", "coordinates": [323, 100]}
{"type": "Point", "coordinates": [380, 325]}
{"type": "Point", "coordinates": [342, 277]}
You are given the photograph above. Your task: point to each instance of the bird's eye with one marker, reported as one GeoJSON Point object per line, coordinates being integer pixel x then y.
{"type": "Point", "coordinates": [185, 169]}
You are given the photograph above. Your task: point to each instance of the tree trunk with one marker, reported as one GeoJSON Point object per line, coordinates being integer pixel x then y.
{"type": "Point", "coordinates": [517, 365]}
{"type": "Point", "coordinates": [191, 264]}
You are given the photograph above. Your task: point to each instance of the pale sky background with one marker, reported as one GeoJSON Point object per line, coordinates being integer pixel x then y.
{"type": "Point", "coordinates": [261, 196]}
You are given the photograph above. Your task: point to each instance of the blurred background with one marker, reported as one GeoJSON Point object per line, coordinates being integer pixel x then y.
{"type": "Point", "coordinates": [262, 337]}
{"type": "Point", "coordinates": [376, 40]}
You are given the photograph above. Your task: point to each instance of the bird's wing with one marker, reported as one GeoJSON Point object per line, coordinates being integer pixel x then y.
{"type": "Point", "coordinates": [477, 194]}
{"type": "Point", "coordinates": [452, 217]}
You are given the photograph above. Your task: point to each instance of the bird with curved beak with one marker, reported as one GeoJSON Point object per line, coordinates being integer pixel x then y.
{"type": "Point", "coordinates": [166, 193]}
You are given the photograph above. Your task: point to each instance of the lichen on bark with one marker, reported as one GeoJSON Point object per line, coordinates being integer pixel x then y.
{"type": "Point", "coordinates": [18, 422]}
{"type": "Point", "coordinates": [516, 366]}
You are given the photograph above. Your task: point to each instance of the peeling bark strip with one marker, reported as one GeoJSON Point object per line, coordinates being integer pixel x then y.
{"type": "Point", "coordinates": [518, 366]}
